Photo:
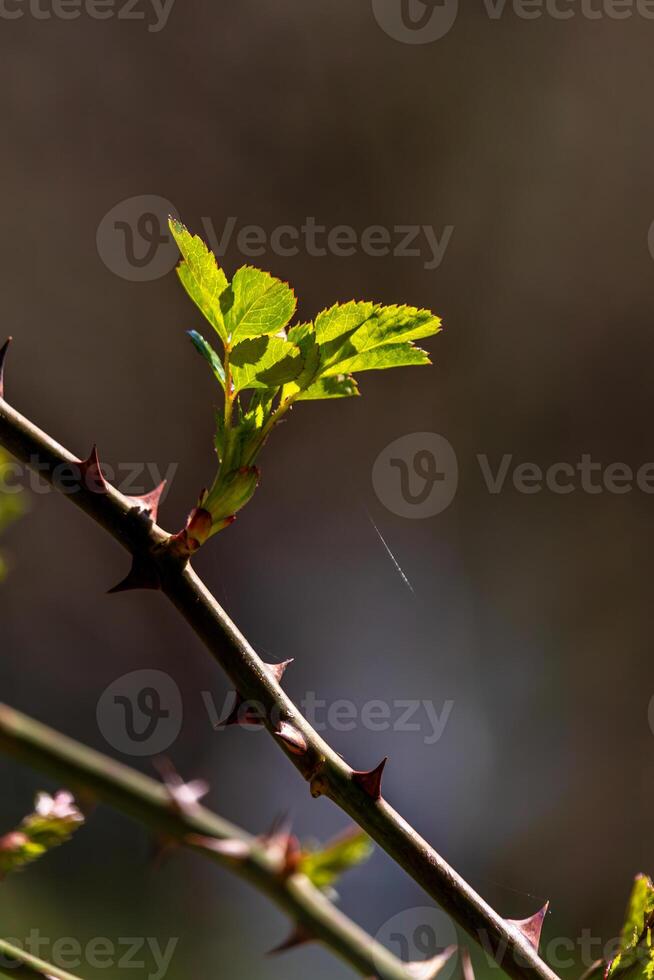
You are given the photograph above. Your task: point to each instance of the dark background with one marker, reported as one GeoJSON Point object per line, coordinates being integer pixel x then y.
{"type": "Point", "coordinates": [531, 612]}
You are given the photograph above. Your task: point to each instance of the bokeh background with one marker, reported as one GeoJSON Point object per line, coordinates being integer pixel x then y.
{"type": "Point", "coordinates": [530, 612]}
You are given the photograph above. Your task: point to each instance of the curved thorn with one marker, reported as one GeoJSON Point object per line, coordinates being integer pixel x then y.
{"type": "Point", "coordinates": [294, 740]}
{"type": "Point", "coordinates": [430, 969]}
{"type": "Point", "coordinates": [142, 575]}
{"type": "Point", "coordinates": [3, 358]}
{"type": "Point", "coordinates": [370, 782]}
{"type": "Point", "coordinates": [150, 501]}
{"type": "Point", "coordinates": [240, 716]}
{"type": "Point", "coordinates": [531, 928]}
{"type": "Point", "coordinates": [91, 475]}
{"type": "Point", "coordinates": [299, 937]}
{"type": "Point", "coordinates": [278, 670]}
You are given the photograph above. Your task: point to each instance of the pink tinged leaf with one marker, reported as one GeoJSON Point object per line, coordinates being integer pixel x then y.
{"type": "Point", "coordinates": [299, 937]}
{"type": "Point", "coordinates": [430, 969]}
{"type": "Point", "coordinates": [370, 782]}
{"type": "Point", "coordinates": [3, 357]}
{"type": "Point", "coordinates": [531, 928]}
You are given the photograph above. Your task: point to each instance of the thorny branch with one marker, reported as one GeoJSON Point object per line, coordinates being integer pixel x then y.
{"type": "Point", "coordinates": [131, 521]}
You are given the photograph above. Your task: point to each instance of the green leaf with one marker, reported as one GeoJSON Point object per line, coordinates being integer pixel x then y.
{"type": "Point", "coordinates": [52, 823]}
{"type": "Point", "coordinates": [341, 320]}
{"type": "Point", "coordinates": [398, 326]}
{"type": "Point", "coordinates": [385, 356]}
{"type": "Point", "coordinates": [256, 304]}
{"type": "Point", "coordinates": [635, 958]}
{"type": "Point", "coordinates": [264, 362]}
{"type": "Point", "coordinates": [338, 386]}
{"type": "Point", "coordinates": [323, 867]}
{"type": "Point", "coordinates": [201, 277]}
{"type": "Point", "coordinates": [210, 355]}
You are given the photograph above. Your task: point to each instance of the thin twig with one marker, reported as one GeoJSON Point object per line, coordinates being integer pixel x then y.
{"type": "Point", "coordinates": [328, 774]}
{"type": "Point", "coordinates": [15, 964]}
{"type": "Point", "coordinates": [259, 860]}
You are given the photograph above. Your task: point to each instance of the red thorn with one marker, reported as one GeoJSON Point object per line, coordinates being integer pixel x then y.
{"type": "Point", "coordinates": [237, 850]}
{"type": "Point", "coordinates": [278, 670]}
{"type": "Point", "coordinates": [3, 358]}
{"type": "Point", "coordinates": [299, 937]}
{"type": "Point", "coordinates": [251, 716]}
{"type": "Point", "coordinates": [294, 740]}
{"type": "Point", "coordinates": [238, 716]}
{"type": "Point", "coordinates": [370, 782]}
{"type": "Point", "coordinates": [150, 501]}
{"type": "Point", "coordinates": [431, 968]}
{"type": "Point", "coordinates": [142, 575]}
{"type": "Point", "coordinates": [91, 475]}
{"type": "Point", "coordinates": [531, 928]}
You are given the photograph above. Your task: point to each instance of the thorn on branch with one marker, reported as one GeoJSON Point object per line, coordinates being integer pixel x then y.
{"type": "Point", "coordinates": [184, 797]}
{"type": "Point", "coordinates": [3, 358]}
{"type": "Point", "coordinates": [371, 782]}
{"type": "Point", "coordinates": [251, 714]}
{"type": "Point", "coordinates": [235, 850]}
{"type": "Point", "coordinates": [532, 927]}
{"type": "Point", "coordinates": [142, 575]}
{"type": "Point", "coordinates": [91, 475]}
{"type": "Point", "coordinates": [150, 501]}
{"type": "Point", "coordinates": [299, 937]}
{"type": "Point", "coordinates": [294, 740]}
{"type": "Point", "coordinates": [284, 847]}
{"type": "Point", "coordinates": [430, 969]}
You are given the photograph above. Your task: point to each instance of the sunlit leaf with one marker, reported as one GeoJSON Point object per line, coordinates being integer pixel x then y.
{"type": "Point", "coordinates": [255, 304]}
{"type": "Point", "coordinates": [201, 277]}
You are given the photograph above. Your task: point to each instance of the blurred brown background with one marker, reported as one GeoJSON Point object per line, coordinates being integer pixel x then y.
{"type": "Point", "coordinates": [531, 612]}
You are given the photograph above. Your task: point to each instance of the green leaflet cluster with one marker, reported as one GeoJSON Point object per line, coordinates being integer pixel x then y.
{"type": "Point", "coordinates": [325, 865]}
{"type": "Point", "coordinates": [52, 823]}
{"type": "Point", "coordinates": [11, 506]}
{"type": "Point", "coordinates": [635, 957]}
{"type": "Point", "coordinates": [264, 365]}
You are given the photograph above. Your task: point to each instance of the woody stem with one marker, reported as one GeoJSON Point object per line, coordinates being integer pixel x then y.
{"type": "Point", "coordinates": [94, 775]}
{"type": "Point", "coordinates": [328, 773]}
